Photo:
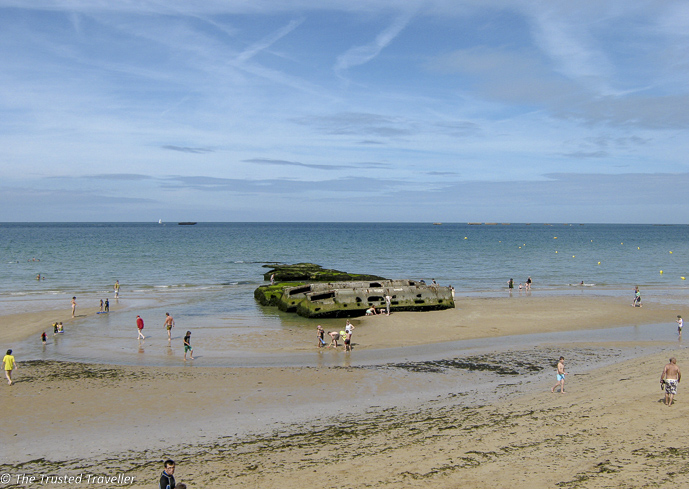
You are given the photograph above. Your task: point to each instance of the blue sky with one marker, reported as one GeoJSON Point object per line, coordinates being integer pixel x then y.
{"type": "Point", "coordinates": [352, 110]}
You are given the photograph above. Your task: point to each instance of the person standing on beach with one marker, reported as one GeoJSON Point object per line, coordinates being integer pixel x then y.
{"type": "Point", "coordinates": [101, 305]}
{"type": "Point", "coordinates": [560, 376]}
{"type": "Point", "coordinates": [528, 283]}
{"type": "Point", "coordinates": [319, 336]}
{"type": "Point", "coordinates": [117, 289]}
{"type": "Point", "coordinates": [510, 284]}
{"type": "Point", "coordinates": [74, 305]}
{"type": "Point", "coordinates": [9, 364]}
{"type": "Point", "coordinates": [44, 338]}
{"type": "Point", "coordinates": [107, 305]}
{"type": "Point", "coordinates": [637, 297]}
{"type": "Point", "coordinates": [187, 346]}
{"type": "Point", "coordinates": [388, 302]}
{"type": "Point", "coordinates": [140, 327]}
{"type": "Point", "coordinates": [169, 324]}
{"type": "Point", "coordinates": [680, 323]}
{"type": "Point", "coordinates": [349, 328]}
{"type": "Point", "coordinates": [670, 378]}
{"type": "Point", "coordinates": [167, 478]}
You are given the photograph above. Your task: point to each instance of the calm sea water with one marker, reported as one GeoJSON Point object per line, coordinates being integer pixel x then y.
{"type": "Point", "coordinates": [79, 258]}
{"type": "Point", "coordinates": [205, 274]}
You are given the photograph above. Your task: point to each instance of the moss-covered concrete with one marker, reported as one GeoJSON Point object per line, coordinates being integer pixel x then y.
{"type": "Point", "coordinates": [310, 272]}
{"type": "Point", "coordinates": [331, 293]}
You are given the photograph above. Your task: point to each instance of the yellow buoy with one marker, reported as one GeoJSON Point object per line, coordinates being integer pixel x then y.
{"type": "Point", "coordinates": [554, 237]}
{"type": "Point", "coordinates": [640, 248]}
{"type": "Point", "coordinates": [555, 251]}
{"type": "Point", "coordinates": [661, 272]}
{"type": "Point", "coordinates": [465, 237]}
{"type": "Point", "coordinates": [572, 256]}
{"type": "Point", "coordinates": [599, 263]}
{"type": "Point", "coordinates": [671, 252]}
{"type": "Point", "coordinates": [682, 278]}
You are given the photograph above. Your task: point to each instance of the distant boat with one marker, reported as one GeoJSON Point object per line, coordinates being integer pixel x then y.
{"type": "Point", "coordinates": [160, 221]}
{"type": "Point", "coordinates": [186, 223]}
{"type": "Point", "coordinates": [437, 223]}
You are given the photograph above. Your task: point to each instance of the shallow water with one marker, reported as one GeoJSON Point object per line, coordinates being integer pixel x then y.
{"type": "Point", "coordinates": [204, 275]}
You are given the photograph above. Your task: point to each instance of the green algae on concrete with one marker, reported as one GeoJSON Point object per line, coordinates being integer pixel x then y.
{"type": "Point", "coordinates": [310, 272]}
{"type": "Point", "coordinates": [314, 292]}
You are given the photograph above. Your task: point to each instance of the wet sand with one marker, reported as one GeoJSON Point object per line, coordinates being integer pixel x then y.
{"type": "Point", "coordinates": [474, 421]}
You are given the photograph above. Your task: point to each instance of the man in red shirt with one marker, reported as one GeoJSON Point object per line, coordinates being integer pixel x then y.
{"type": "Point", "coordinates": [140, 326]}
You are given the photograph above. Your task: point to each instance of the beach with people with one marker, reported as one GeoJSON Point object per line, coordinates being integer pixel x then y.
{"type": "Point", "coordinates": [453, 398]}
{"type": "Point", "coordinates": [403, 406]}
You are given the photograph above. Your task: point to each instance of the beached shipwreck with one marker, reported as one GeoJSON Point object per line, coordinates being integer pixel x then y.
{"type": "Point", "coordinates": [348, 298]}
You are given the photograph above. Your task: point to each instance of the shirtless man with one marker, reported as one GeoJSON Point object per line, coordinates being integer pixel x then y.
{"type": "Point", "coordinates": [560, 376]}
{"type": "Point", "coordinates": [74, 305]}
{"type": "Point", "coordinates": [334, 336]}
{"type": "Point", "coordinates": [670, 377]}
{"type": "Point", "coordinates": [169, 324]}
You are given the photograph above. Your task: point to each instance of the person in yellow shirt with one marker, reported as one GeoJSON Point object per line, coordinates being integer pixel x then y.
{"type": "Point", "coordinates": [9, 364]}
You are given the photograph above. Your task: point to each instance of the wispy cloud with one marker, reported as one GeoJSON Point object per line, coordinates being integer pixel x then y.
{"type": "Point", "coordinates": [267, 161]}
{"type": "Point", "coordinates": [362, 54]}
{"type": "Point", "coordinates": [267, 41]}
{"type": "Point", "coordinates": [127, 177]}
{"type": "Point", "coordinates": [584, 154]}
{"type": "Point", "coordinates": [353, 123]}
{"type": "Point", "coordinates": [187, 149]}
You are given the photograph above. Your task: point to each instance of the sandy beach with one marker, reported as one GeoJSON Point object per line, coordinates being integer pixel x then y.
{"type": "Point", "coordinates": [474, 421]}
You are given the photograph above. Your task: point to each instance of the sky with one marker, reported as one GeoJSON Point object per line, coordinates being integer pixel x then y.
{"type": "Point", "coordinates": [344, 111]}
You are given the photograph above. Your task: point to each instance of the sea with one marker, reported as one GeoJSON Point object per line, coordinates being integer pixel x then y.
{"type": "Point", "coordinates": [205, 275]}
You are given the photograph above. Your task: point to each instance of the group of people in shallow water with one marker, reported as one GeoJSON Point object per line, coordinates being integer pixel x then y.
{"type": "Point", "coordinates": [525, 286]}
{"type": "Point", "coordinates": [169, 324]}
{"type": "Point", "coordinates": [335, 336]}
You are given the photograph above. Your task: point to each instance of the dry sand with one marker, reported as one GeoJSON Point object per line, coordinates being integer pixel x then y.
{"type": "Point", "coordinates": [366, 427]}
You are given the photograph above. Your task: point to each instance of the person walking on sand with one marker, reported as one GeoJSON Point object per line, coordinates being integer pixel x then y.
{"type": "Point", "coordinates": [680, 323]}
{"type": "Point", "coordinates": [167, 478]}
{"type": "Point", "coordinates": [669, 379]}
{"type": "Point", "coordinates": [74, 305]}
{"type": "Point", "coordinates": [140, 327]}
{"type": "Point", "coordinates": [44, 338]}
{"type": "Point", "coordinates": [169, 324]}
{"type": "Point", "coordinates": [187, 346]}
{"type": "Point", "coordinates": [560, 376]}
{"type": "Point", "coordinates": [9, 364]}
{"type": "Point", "coordinates": [388, 303]}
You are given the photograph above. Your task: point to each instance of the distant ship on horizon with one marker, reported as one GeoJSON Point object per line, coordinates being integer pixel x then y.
{"type": "Point", "coordinates": [186, 223]}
